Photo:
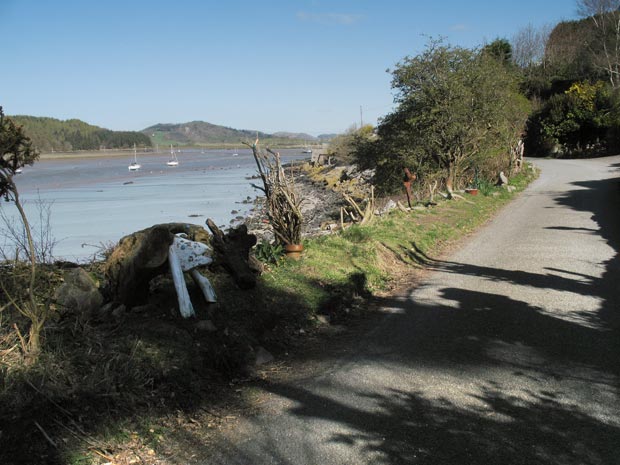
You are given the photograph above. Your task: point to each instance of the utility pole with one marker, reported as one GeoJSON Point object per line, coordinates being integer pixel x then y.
{"type": "Point", "coordinates": [361, 118]}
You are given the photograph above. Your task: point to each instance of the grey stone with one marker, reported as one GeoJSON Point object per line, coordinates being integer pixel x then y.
{"type": "Point", "coordinates": [79, 292]}
{"type": "Point", "coordinates": [323, 319]}
{"type": "Point", "coordinates": [503, 180]}
{"type": "Point", "coordinates": [263, 356]}
{"type": "Point", "coordinates": [147, 308]}
{"type": "Point", "coordinates": [206, 325]}
{"type": "Point", "coordinates": [107, 308]}
{"type": "Point", "coordinates": [389, 206]}
{"type": "Point", "coordinates": [119, 312]}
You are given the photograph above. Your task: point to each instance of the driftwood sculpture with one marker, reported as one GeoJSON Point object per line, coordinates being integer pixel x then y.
{"type": "Point", "coordinates": [180, 247]}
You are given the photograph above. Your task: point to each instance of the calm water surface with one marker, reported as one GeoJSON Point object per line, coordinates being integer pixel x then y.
{"type": "Point", "coordinates": [98, 200]}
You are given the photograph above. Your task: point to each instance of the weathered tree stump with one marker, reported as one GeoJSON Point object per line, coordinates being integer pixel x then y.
{"type": "Point", "coordinates": [233, 253]}
{"type": "Point", "coordinates": [141, 256]}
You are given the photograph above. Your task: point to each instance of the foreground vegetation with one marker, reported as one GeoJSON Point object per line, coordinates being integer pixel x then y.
{"type": "Point", "coordinates": [107, 386]}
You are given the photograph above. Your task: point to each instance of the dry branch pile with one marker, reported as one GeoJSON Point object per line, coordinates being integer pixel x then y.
{"type": "Point", "coordinates": [283, 202]}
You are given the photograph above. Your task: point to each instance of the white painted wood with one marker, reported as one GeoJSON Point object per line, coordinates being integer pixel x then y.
{"type": "Point", "coordinates": [185, 255]}
{"type": "Point", "coordinates": [191, 254]}
{"type": "Point", "coordinates": [185, 304]}
{"type": "Point", "coordinates": [205, 286]}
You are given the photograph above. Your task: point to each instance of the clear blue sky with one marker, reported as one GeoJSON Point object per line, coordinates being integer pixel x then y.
{"type": "Point", "coordinates": [278, 65]}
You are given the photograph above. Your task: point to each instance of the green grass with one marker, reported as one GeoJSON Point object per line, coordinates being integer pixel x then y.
{"type": "Point", "coordinates": [349, 263]}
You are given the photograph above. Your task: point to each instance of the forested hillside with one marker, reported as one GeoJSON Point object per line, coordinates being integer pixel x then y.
{"type": "Point", "coordinates": [197, 133]}
{"type": "Point", "coordinates": [50, 134]}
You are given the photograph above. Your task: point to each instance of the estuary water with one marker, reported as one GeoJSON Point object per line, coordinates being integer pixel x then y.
{"type": "Point", "coordinates": [96, 201]}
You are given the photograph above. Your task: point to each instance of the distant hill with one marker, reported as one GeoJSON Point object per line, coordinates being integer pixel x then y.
{"type": "Point", "coordinates": [295, 135]}
{"type": "Point", "coordinates": [50, 134]}
{"type": "Point", "coordinates": [198, 133]}
{"type": "Point", "coordinates": [326, 137]}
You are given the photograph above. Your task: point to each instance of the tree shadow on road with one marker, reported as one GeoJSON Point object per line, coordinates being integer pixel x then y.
{"type": "Point", "coordinates": [412, 429]}
{"type": "Point", "coordinates": [492, 421]}
{"type": "Point", "coordinates": [493, 424]}
{"type": "Point", "coordinates": [563, 411]}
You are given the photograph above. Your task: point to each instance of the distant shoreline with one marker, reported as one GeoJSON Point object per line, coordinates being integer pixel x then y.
{"type": "Point", "coordinates": [86, 154]}
{"type": "Point", "coordinates": [129, 152]}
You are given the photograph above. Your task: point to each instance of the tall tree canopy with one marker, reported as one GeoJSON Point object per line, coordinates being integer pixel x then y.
{"type": "Point", "coordinates": [457, 109]}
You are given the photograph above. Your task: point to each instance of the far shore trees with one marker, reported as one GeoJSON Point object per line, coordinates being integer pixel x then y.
{"type": "Point", "coordinates": [458, 112]}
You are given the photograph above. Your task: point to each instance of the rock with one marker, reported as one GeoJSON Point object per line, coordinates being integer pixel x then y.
{"type": "Point", "coordinates": [119, 312]}
{"type": "Point", "coordinates": [107, 308]}
{"type": "Point", "coordinates": [329, 226]}
{"type": "Point", "coordinates": [206, 325]}
{"type": "Point", "coordinates": [367, 174]}
{"type": "Point", "coordinates": [322, 319]}
{"type": "Point", "coordinates": [510, 188]}
{"type": "Point", "coordinates": [503, 180]}
{"type": "Point", "coordinates": [263, 356]}
{"type": "Point", "coordinates": [79, 292]}
{"type": "Point", "coordinates": [148, 308]}
{"type": "Point", "coordinates": [389, 206]}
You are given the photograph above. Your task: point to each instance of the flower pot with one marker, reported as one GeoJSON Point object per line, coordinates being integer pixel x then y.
{"type": "Point", "coordinates": [293, 251]}
{"type": "Point", "coordinates": [472, 191]}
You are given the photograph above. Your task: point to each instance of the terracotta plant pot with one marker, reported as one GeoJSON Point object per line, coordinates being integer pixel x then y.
{"type": "Point", "coordinates": [293, 251]}
{"type": "Point", "coordinates": [472, 191]}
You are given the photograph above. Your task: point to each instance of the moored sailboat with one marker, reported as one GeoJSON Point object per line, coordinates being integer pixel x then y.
{"type": "Point", "coordinates": [173, 161]}
{"type": "Point", "coordinates": [134, 166]}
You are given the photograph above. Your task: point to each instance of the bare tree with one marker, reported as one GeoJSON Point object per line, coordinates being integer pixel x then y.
{"type": "Point", "coordinates": [605, 15]}
{"type": "Point", "coordinates": [528, 45]}
{"type": "Point", "coordinates": [16, 245]}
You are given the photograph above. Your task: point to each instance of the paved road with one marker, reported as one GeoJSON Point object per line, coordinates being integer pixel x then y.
{"type": "Point", "coordinates": [504, 355]}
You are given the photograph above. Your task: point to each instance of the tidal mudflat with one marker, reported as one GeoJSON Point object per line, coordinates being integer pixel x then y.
{"type": "Point", "coordinates": [97, 200]}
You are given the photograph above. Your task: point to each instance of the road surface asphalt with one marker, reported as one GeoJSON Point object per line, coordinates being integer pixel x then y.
{"type": "Point", "coordinates": [507, 353]}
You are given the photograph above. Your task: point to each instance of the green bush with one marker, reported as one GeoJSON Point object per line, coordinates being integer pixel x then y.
{"type": "Point", "coordinates": [268, 252]}
{"type": "Point", "coordinates": [486, 187]}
